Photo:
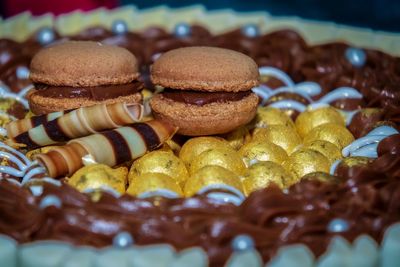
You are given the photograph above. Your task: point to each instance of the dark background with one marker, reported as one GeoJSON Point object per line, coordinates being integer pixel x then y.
{"type": "Point", "coordinates": [375, 14]}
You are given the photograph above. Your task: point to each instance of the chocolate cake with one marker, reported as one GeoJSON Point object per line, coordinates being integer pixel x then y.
{"type": "Point", "coordinates": [357, 195]}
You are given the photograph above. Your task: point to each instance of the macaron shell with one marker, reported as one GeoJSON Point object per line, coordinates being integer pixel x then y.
{"type": "Point", "coordinates": [83, 63]}
{"type": "Point", "coordinates": [205, 69]}
{"type": "Point", "coordinates": [214, 118]}
{"type": "Point", "coordinates": [43, 105]}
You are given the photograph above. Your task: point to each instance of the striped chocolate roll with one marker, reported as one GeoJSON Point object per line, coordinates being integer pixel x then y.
{"type": "Point", "coordinates": [17, 127]}
{"type": "Point", "coordinates": [111, 147]}
{"type": "Point", "coordinates": [81, 122]}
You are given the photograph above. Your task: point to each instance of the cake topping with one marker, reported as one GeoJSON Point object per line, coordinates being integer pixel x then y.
{"type": "Point", "coordinates": [111, 147]}
{"type": "Point", "coordinates": [73, 124]}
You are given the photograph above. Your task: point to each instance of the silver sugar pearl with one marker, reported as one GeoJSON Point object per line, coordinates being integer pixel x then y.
{"type": "Point", "coordinates": [250, 30]}
{"type": "Point", "coordinates": [123, 240]}
{"type": "Point", "coordinates": [338, 225]}
{"type": "Point", "coordinates": [182, 30]}
{"type": "Point", "coordinates": [22, 73]}
{"type": "Point", "coordinates": [356, 56]}
{"type": "Point", "coordinates": [45, 36]}
{"type": "Point", "coordinates": [242, 243]}
{"type": "Point", "coordinates": [119, 27]}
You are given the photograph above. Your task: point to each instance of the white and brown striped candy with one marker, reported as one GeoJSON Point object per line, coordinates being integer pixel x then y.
{"type": "Point", "coordinates": [80, 122]}
{"type": "Point", "coordinates": [111, 147]}
{"type": "Point", "coordinates": [17, 127]}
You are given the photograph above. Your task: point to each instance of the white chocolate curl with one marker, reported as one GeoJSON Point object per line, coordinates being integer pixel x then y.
{"type": "Point", "coordinates": [74, 124]}
{"type": "Point", "coordinates": [111, 147]}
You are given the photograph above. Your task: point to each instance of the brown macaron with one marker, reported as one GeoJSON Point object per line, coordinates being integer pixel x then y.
{"type": "Point", "coordinates": [81, 73]}
{"type": "Point", "coordinates": [207, 90]}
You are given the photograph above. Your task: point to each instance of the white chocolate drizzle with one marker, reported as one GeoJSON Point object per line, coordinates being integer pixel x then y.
{"type": "Point", "coordinates": [24, 169]}
{"type": "Point", "coordinates": [232, 195]}
{"type": "Point", "coordinates": [5, 92]}
{"type": "Point", "coordinates": [367, 145]}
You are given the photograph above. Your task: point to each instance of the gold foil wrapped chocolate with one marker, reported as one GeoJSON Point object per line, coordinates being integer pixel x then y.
{"type": "Point", "coordinates": [153, 182]}
{"type": "Point", "coordinates": [238, 137]}
{"type": "Point", "coordinates": [272, 116]}
{"type": "Point", "coordinates": [281, 135]}
{"type": "Point", "coordinates": [211, 175]}
{"type": "Point", "coordinates": [355, 161]}
{"type": "Point", "coordinates": [326, 148]}
{"type": "Point", "coordinates": [160, 162]}
{"type": "Point", "coordinates": [333, 133]}
{"type": "Point", "coordinates": [97, 176]}
{"type": "Point", "coordinates": [256, 151]}
{"type": "Point", "coordinates": [171, 145]}
{"type": "Point", "coordinates": [305, 161]}
{"type": "Point", "coordinates": [225, 157]}
{"type": "Point", "coordinates": [262, 174]}
{"type": "Point", "coordinates": [321, 177]}
{"type": "Point", "coordinates": [194, 146]}
{"type": "Point", "coordinates": [310, 119]}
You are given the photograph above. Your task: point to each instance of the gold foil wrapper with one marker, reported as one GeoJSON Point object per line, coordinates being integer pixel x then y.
{"type": "Point", "coordinates": [310, 119]}
{"type": "Point", "coordinates": [160, 162]}
{"type": "Point", "coordinates": [173, 146]}
{"type": "Point", "coordinates": [210, 175]}
{"type": "Point", "coordinates": [225, 157]}
{"type": "Point", "coordinates": [97, 176]}
{"type": "Point", "coordinates": [333, 133]}
{"type": "Point", "coordinates": [238, 137]}
{"type": "Point", "coordinates": [281, 135]}
{"type": "Point", "coordinates": [305, 161]}
{"type": "Point", "coordinates": [322, 177]}
{"type": "Point", "coordinates": [195, 146]}
{"type": "Point", "coordinates": [256, 151]}
{"type": "Point", "coordinates": [262, 174]}
{"type": "Point", "coordinates": [355, 161]}
{"type": "Point", "coordinates": [272, 116]}
{"type": "Point", "coordinates": [149, 182]}
{"type": "Point", "coordinates": [326, 148]}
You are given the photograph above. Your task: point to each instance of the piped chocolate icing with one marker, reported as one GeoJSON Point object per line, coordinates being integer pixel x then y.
{"type": "Point", "coordinates": [367, 199]}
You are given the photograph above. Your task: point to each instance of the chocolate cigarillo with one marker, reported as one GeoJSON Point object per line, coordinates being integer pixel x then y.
{"type": "Point", "coordinates": [18, 127]}
{"type": "Point", "coordinates": [80, 122]}
{"type": "Point", "coordinates": [111, 147]}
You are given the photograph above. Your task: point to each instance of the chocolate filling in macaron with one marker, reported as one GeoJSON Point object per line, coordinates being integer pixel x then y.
{"type": "Point", "coordinates": [207, 90]}
{"type": "Point", "coordinates": [78, 73]}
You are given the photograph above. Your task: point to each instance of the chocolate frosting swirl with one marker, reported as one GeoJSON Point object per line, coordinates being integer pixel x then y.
{"type": "Point", "coordinates": [367, 199]}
